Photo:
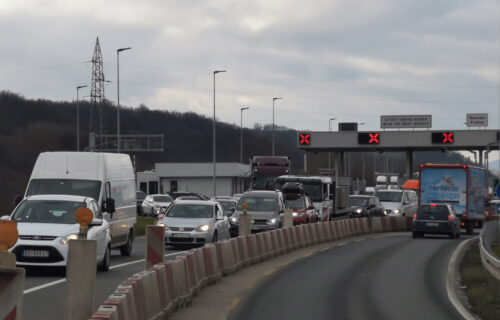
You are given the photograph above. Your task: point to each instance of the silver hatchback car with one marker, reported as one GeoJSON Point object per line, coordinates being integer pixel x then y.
{"type": "Point", "coordinates": [194, 222]}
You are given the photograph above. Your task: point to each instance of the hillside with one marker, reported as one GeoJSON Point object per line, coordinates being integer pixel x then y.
{"type": "Point", "coordinates": [28, 127]}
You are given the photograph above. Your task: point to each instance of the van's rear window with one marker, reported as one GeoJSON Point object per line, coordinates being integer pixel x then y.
{"type": "Point", "coordinates": [87, 188]}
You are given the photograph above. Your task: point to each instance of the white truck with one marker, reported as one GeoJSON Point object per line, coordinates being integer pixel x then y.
{"type": "Point", "coordinates": [108, 178]}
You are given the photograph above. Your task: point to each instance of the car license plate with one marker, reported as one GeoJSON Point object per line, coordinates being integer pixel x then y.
{"type": "Point", "coordinates": [36, 253]}
{"type": "Point", "coordinates": [432, 224]}
{"type": "Point", "coordinates": [181, 235]}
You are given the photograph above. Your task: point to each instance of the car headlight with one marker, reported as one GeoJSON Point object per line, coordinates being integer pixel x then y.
{"type": "Point", "coordinates": [203, 228]}
{"type": "Point", "coordinates": [161, 224]}
{"type": "Point", "coordinates": [396, 211]}
{"type": "Point", "coordinates": [273, 220]}
{"type": "Point", "coordinates": [234, 219]}
{"type": "Point", "coordinates": [359, 210]}
{"type": "Point", "coordinates": [65, 240]}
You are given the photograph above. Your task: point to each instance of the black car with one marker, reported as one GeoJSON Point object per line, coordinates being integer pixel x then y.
{"type": "Point", "coordinates": [436, 219]}
{"type": "Point", "coordinates": [140, 195]}
{"type": "Point", "coordinates": [191, 195]}
{"type": "Point", "coordinates": [368, 206]}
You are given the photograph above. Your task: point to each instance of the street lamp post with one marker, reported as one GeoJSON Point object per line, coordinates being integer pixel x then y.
{"type": "Point", "coordinates": [118, 94]}
{"type": "Point", "coordinates": [214, 138]}
{"type": "Point", "coordinates": [78, 118]}
{"type": "Point", "coordinates": [241, 133]}
{"type": "Point", "coordinates": [329, 153]}
{"type": "Point", "coordinates": [274, 99]}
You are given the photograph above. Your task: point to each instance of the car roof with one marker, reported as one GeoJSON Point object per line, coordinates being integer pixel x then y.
{"type": "Point", "coordinates": [204, 202]}
{"type": "Point", "coordinates": [392, 190]}
{"type": "Point", "coordinates": [261, 193]}
{"type": "Point", "coordinates": [360, 196]}
{"type": "Point", "coordinates": [60, 197]}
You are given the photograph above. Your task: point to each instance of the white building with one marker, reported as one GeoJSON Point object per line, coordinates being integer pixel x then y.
{"type": "Point", "coordinates": [232, 177]}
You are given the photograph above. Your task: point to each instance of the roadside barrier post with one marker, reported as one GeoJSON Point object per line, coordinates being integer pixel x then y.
{"type": "Point", "coordinates": [155, 245]}
{"type": "Point", "coordinates": [81, 271]}
{"type": "Point", "coordinates": [288, 218]}
{"type": "Point", "coordinates": [244, 227]}
{"type": "Point", "coordinates": [11, 278]}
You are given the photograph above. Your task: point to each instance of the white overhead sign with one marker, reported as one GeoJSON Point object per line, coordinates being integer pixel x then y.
{"type": "Point", "coordinates": [406, 121]}
{"type": "Point", "coordinates": [477, 119]}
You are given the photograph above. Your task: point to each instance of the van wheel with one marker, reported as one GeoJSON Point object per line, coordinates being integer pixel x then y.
{"type": "Point", "coordinates": [126, 250]}
{"type": "Point", "coordinates": [106, 261]}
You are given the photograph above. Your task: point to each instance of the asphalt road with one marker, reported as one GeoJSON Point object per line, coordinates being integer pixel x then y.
{"type": "Point", "coordinates": [45, 287]}
{"type": "Point", "coordinates": [395, 277]}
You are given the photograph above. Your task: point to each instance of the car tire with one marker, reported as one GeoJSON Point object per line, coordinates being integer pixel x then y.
{"type": "Point", "coordinates": [452, 235]}
{"type": "Point", "coordinates": [214, 238]}
{"type": "Point", "coordinates": [106, 261]}
{"type": "Point", "coordinates": [126, 250]}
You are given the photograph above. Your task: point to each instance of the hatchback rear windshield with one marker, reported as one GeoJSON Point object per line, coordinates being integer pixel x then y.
{"type": "Point", "coordinates": [440, 212]}
{"type": "Point", "coordinates": [184, 210]}
{"type": "Point", "coordinates": [162, 199]}
{"type": "Point", "coordinates": [298, 203]}
{"type": "Point", "coordinates": [389, 196]}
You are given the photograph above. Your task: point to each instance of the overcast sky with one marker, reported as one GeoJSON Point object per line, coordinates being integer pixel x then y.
{"type": "Point", "coordinates": [352, 59]}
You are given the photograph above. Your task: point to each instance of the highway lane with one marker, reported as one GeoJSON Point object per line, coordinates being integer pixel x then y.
{"type": "Point", "coordinates": [382, 277]}
{"type": "Point", "coordinates": [45, 287]}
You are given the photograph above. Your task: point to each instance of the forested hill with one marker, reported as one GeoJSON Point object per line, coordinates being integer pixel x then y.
{"type": "Point", "coordinates": [28, 127]}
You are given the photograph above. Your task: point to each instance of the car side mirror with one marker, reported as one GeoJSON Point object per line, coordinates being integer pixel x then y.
{"type": "Point", "coordinates": [96, 223]}
{"type": "Point", "coordinates": [4, 218]}
{"type": "Point", "coordinates": [17, 199]}
{"type": "Point", "coordinates": [108, 206]}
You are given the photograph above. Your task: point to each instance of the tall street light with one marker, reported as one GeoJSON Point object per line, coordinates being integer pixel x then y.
{"type": "Point", "coordinates": [214, 137]}
{"type": "Point", "coordinates": [241, 133]}
{"type": "Point", "coordinates": [329, 153]}
{"type": "Point", "coordinates": [274, 99]}
{"type": "Point", "coordinates": [78, 118]}
{"type": "Point", "coordinates": [118, 94]}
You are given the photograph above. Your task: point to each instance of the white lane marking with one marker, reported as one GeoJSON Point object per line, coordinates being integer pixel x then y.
{"type": "Point", "coordinates": [450, 281]}
{"type": "Point", "coordinates": [53, 283]}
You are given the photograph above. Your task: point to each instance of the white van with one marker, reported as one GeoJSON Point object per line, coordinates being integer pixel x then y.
{"type": "Point", "coordinates": [106, 177]}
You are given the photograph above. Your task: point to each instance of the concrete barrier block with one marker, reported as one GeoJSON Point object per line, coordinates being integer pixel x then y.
{"type": "Point", "coordinates": [325, 231]}
{"type": "Point", "coordinates": [106, 312]}
{"type": "Point", "coordinates": [151, 290]}
{"type": "Point", "coordinates": [180, 282]}
{"type": "Point", "coordinates": [120, 301]}
{"type": "Point", "coordinates": [215, 262]}
{"type": "Point", "coordinates": [293, 236]}
{"type": "Point", "coordinates": [332, 227]}
{"type": "Point", "coordinates": [236, 253]}
{"type": "Point", "coordinates": [261, 247]}
{"type": "Point", "coordinates": [192, 276]}
{"type": "Point", "coordinates": [269, 250]}
{"type": "Point", "coordinates": [171, 287]}
{"type": "Point", "coordinates": [280, 241]}
{"type": "Point", "coordinates": [378, 224]}
{"type": "Point", "coordinates": [11, 294]}
{"type": "Point", "coordinates": [200, 267]}
{"type": "Point", "coordinates": [252, 249]}
{"type": "Point", "coordinates": [243, 250]}
{"type": "Point", "coordinates": [225, 257]}
{"type": "Point", "coordinates": [128, 292]}
{"type": "Point", "coordinates": [139, 296]}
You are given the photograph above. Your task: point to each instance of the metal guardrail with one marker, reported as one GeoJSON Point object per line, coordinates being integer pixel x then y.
{"type": "Point", "coordinates": [491, 262]}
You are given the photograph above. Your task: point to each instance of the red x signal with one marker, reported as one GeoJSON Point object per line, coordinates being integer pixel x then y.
{"type": "Point", "coordinates": [374, 138]}
{"type": "Point", "coordinates": [304, 138]}
{"type": "Point", "coordinates": [448, 137]}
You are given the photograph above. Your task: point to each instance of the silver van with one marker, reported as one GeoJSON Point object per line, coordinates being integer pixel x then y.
{"type": "Point", "coordinates": [398, 202]}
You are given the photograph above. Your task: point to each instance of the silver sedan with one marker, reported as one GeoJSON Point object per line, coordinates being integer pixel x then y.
{"type": "Point", "coordinates": [194, 222]}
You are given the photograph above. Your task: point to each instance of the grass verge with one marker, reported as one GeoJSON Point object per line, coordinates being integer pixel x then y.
{"type": "Point", "coordinates": [483, 300]}
{"type": "Point", "coordinates": [142, 222]}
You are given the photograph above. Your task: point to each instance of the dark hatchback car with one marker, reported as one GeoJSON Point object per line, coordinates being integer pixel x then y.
{"type": "Point", "coordinates": [368, 206]}
{"type": "Point", "coordinates": [436, 219]}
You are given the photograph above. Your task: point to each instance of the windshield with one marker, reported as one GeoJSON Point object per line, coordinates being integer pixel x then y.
{"type": "Point", "coordinates": [227, 205]}
{"type": "Point", "coordinates": [47, 211]}
{"type": "Point", "coordinates": [162, 199]}
{"type": "Point", "coordinates": [314, 192]}
{"type": "Point", "coordinates": [190, 211]}
{"type": "Point", "coordinates": [259, 204]}
{"type": "Point", "coordinates": [389, 196]}
{"type": "Point", "coordinates": [298, 203]}
{"type": "Point", "coordinates": [358, 201]}
{"type": "Point", "coordinates": [87, 188]}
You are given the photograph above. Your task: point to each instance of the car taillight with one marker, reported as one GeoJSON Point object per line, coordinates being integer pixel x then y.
{"type": "Point", "coordinates": [462, 224]}
{"type": "Point", "coordinates": [414, 217]}
{"type": "Point", "coordinates": [450, 217]}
